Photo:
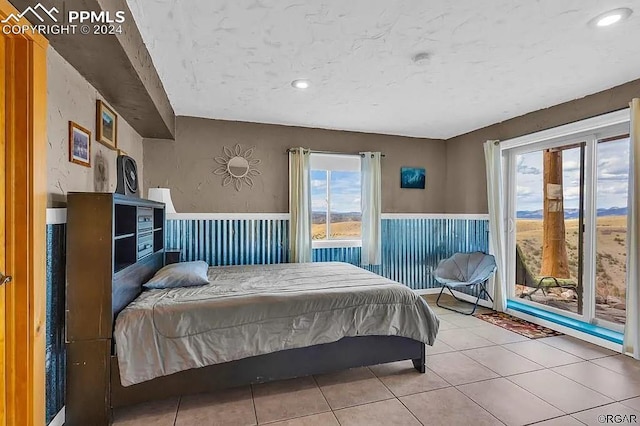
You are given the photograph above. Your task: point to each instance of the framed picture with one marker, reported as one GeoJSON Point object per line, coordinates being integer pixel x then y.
{"type": "Point", "coordinates": [79, 145]}
{"type": "Point", "coordinates": [413, 177]}
{"type": "Point", "coordinates": [106, 126]}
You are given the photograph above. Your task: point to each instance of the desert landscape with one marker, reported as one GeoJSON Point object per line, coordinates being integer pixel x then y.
{"type": "Point", "coordinates": [338, 231]}
{"type": "Point", "coordinates": [610, 264]}
{"type": "Point", "coordinates": [343, 226]}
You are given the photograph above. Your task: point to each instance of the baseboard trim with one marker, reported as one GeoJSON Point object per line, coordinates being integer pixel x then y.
{"type": "Point", "coordinates": [59, 215]}
{"type": "Point", "coordinates": [287, 216]}
{"type": "Point", "coordinates": [56, 216]}
{"type": "Point", "coordinates": [567, 330]}
{"type": "Point", "coordinates": [449, 216]}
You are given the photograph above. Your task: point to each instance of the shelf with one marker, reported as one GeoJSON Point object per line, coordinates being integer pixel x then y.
{"type": "Point", "coordinates": [120, 237]}
{"type": "Point", "coordinates": [158, 218]}
{"type": "Point", "coordinates": [120, 266]}
{"type": "Point", "coordinates": [125, 219]}
{"type": "Point", "coordinates": [158, 240]}
{"type": "Point", "coordinates": [104, 235]}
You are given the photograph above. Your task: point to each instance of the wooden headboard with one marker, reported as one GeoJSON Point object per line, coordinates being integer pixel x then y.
{"type": "Point", "coordinates": [108, 238]}
{"type": "Point", "coordinates": [115, 243]}
{"type": "Point", "coordinates": [127, 284]}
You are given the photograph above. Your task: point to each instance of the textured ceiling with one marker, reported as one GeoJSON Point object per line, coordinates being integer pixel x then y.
{"type": "Point", "coordinates": [491, 60]}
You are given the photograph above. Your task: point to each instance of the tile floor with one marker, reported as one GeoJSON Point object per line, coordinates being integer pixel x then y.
{"type": "Point", "coordinates": [478, 374]}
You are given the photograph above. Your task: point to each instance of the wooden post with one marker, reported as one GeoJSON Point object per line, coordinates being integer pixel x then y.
{"type": "Point", "coordinates": [555, 262]}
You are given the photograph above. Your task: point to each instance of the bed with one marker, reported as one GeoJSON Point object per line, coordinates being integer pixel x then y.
{"type": "Point", "coordinates": [403, 336]}
{"type": "Point", "coordinates": [109, 312]}
{"type": "Point", "coordinates": [249, 312]}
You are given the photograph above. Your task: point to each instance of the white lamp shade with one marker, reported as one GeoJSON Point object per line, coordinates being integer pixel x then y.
{"type": "Point", "coordinates": [162, 195]}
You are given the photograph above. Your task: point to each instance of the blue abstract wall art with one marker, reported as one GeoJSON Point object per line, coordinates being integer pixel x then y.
{"type": "Point", "coordinates": [413, 177]}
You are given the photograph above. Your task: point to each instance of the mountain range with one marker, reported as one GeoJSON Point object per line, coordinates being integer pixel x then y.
{"type": "Point", "coordinates": [572, 213]}
{"type": "Point", "coordinates": [321, 217]}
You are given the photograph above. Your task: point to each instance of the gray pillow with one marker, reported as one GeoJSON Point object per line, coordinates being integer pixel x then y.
{"type": "Point", "coordinates": [185, 274]}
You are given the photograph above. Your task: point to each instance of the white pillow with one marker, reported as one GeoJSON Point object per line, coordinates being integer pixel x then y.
{"type": "Point", "coordinates": [185, 274]}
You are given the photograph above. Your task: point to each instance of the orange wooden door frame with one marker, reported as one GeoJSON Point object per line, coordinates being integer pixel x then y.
{"type": "Point", "coordinates": [24, 206]}
{"type": "Point", "coordinates": [3, 382]}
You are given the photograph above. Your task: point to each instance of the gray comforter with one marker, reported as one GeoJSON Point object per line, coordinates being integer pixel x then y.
{"type": "Point", "coordinates": [253, 310]}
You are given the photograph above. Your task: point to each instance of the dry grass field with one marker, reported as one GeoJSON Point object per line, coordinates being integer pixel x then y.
{"type": "Point", "coordinates": [338, 230]}
{"type": "Point", "coordinates": [610, 251]}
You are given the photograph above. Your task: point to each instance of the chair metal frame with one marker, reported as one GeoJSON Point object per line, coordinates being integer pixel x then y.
{"type": "Point", "coordinates": [483, 289]}
{"type": "Point", "coordinates": [544, 288]}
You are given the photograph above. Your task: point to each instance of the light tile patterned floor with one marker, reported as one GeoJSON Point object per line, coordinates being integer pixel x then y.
{"type": "Point", "coordinates": [478, 374]}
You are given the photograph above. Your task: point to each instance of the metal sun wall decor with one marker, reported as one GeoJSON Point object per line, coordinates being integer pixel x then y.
{"type": "Point", "coordinates": [237, 166]}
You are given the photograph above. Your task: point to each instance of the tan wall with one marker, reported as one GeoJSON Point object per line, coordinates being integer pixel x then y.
{"type": "Point", "coordinates": [466, 190]}
{"type": "Point", "coordinates": [72, 98]}
{"type": "Point", "coordinates": [186, 164]}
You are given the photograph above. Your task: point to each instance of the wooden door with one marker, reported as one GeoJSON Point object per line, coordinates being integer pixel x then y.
{"type": "Point", "coordinates": [23, 197]}
{"type": "Point", "coordinates": [3, 373]}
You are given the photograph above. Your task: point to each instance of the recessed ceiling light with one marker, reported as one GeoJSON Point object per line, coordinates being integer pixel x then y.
{"type": "Point", "coordinates": [300, 84]}
{"type": "Point", "coordinates": [611, 17]}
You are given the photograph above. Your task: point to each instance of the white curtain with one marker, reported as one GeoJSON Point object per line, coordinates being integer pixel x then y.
{"type": "Point", "coordinates": [299, 206]}
{"type": "Point", "coordinates": [371, 201]}
{"type": "Point", "coordinates": [632, 326]}
{"type": "Point", "coordinates": [497, 239]}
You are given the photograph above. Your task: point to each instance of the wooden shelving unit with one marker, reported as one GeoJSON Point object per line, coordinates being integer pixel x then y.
{"type": "Point", "coordinates": [106, 235]}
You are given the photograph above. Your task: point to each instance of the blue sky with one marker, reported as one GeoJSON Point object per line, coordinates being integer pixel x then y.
{"type": "Point", "coordinates": [345, 191]}
{"type": "Point", "coordinates": [613, 177]}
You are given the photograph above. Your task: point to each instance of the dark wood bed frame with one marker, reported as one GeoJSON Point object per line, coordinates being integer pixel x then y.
{"type": "Point", "coordinates": [93, 379]}
{"type": "Point", "coordinates": [346, 353]}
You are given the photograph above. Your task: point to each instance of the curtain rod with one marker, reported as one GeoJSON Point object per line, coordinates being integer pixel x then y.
{"type": "Point", "coordinates": [313, 151]}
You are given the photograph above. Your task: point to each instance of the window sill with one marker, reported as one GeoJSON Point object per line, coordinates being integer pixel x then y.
{"type": "Point", "coordinates": [565, 321]}
{"type": "Point", "coordinates": [335, 244]}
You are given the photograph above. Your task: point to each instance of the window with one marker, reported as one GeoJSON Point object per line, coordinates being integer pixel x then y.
{"type": "Point", "coordinates": [612, 180]}
{"type": "Point", "coordinates": [566, 200]}
{"type": "Point", "coordinates": [335, 198]}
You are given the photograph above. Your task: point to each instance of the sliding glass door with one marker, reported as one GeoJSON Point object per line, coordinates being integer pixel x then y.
{"type": "Point", "coordinates": [566, 233]}
{"type": "Point", "coordinates": [549, 219]}
{"type": "Point", "coordinates": [611, 229]}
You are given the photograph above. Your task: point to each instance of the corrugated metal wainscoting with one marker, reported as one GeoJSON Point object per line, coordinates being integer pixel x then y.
{"type": "Point", "coordinates": [411, 248]}
{"type": "Point", "coordinates": [55, 358]}
{"type": "Point", "coordinates": [230, 241]}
